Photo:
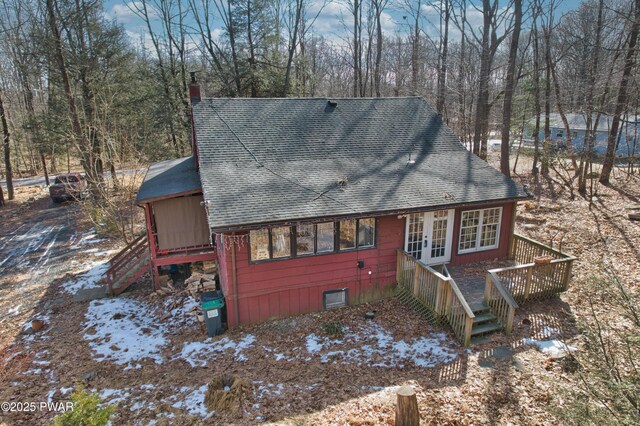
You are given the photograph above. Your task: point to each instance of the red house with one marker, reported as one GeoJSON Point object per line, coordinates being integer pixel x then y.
{"type": "Point", "coordinates": [308, 203]}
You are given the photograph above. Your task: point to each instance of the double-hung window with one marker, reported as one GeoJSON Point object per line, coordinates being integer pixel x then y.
{"type": "Point", "coordinates": [479, 230]}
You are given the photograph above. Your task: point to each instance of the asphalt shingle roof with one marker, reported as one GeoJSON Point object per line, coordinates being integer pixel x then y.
{"type": "Point", "coordinates": [284, 160]}
{"type": "Point", "coordinates": [169, 178]}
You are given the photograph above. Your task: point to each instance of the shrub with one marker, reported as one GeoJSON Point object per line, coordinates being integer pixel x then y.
{"type": "Point", "coordinates": [86, 411]}
{"type": "Point", "coordinates": [334, 329]}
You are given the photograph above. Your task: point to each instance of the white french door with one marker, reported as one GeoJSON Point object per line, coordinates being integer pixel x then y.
{"type": "Point", "coordinates": [428, 236]}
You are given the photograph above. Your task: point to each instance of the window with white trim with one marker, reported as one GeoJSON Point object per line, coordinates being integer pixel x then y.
{"type": "Point", "coordinates": [479, 230]}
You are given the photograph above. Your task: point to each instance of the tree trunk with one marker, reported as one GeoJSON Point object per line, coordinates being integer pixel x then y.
{"type": "Point", "coordinates": [442, 71]}
{"type": "Point", "coordinates": [7, 149]}
{"type": "Point", "coordinates": [376, 72]}
{"type": "Point", "coordinates": [629, 63]}
{"type": "Point", "coordinates": [508, 89]}
{"type": "Point", "coordinates": [293, 42]}
{"type": "Point", "coordinates": [536, 91]}
{"type": "Point", "coordinates": [44, 168]}
{"type": "Point", "coordinates": [407, 413]}
{"type": "Point", "coordinates": [547, 103]}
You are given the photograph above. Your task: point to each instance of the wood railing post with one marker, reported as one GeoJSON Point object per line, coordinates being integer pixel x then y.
{"type": "Point", "coordinates": [527, 284]}
{"type": "Point", "coordinates": [448, 300]}
{"type": "Point", "coordinates": [439, 290]}
{"type": "Point", "coordinates": [416, 280]}
{"type": "Point", "coordinates": [487, 288]}
{"type": "Point", "coordinates": [508, 327]}
{"type": "Point", "coordinates": [399, 267]}
{"type": "Point", "coordinates": [567, 275]}
{"type": "Point", "coordinates": [468, 325]}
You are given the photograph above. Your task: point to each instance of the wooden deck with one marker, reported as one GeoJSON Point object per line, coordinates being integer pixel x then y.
{"type": "Point", "coordinates": [465, 296]}
{"type": "Point", "coordinates": [471, 279]}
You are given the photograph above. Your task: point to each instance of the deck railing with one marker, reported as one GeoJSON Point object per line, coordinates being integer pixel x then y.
{"type": "Point", "coordinates": [529, 280]}
{"type": "Point", "coordinates": [500, 301]}
{"type": "Point", "coordinates": [437, 292]}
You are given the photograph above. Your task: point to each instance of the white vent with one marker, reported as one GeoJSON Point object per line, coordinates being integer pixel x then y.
{"type": "Point", "coordinates": [335, 298]}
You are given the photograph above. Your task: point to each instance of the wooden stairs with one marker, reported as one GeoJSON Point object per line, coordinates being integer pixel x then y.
{"type": "Point", "coordinates": [126, 267]}
{"type": "Point", "coordinates": [484, 322]}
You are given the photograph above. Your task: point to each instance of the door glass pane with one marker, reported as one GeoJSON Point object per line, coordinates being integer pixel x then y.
{"type": "Point", "coordinates": [325, 237]}
{"type": "Point", "coordinates": [439, 235]}
{"type": "Point", "coordinates": [414, 234]}
{"type": "Point", "coordinates": [281, 241]}
{"type": "Point", "coordinates": [259, 244]}
{"type": "Point", "coordinates": [347, 234]}
{"type": "Point", "coordinates": [304, 239]}
{"type": "Point", "coordinates": [366, 232]}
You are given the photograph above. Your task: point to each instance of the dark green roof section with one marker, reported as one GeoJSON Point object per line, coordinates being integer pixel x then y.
{"type": "Point", "coordinates": [169, 178]}
{"type": "Point", "coordinates": [283, 160]}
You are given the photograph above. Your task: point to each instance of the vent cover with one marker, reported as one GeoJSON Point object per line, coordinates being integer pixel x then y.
{"type": "Point", "coordinates": [335, 298]}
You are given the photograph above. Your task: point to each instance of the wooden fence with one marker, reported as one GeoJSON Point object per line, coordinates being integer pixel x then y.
{"type": "Point", "coordinates": [439, 293]}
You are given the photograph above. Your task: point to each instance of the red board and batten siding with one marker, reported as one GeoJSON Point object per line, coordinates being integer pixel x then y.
{"type": "Point", "coordinates": [505, 234]}
{"type": "Point", "coordinates": [280, 288]}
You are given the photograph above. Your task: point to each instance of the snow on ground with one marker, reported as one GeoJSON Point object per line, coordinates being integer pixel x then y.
{"type": "Point", "coordinates": [86, 238]}
{"type": "Point", "coordinates": [198, 354]}
{"type": "Point", "coordinates": [89, 277]}
{"type": "Point", "coordinates": [193, 402]}
{"type": "Point", "coordinates": [554, 348]}
{"type": "Point", "coordinates": [371, 344]}
{"type": "Point", "coordinates": [124, 331]}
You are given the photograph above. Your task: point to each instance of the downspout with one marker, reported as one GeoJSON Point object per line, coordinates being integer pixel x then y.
{"type": "Point", "coordinates": [234, 279]}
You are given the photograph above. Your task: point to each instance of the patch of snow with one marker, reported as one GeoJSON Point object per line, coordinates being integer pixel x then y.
{"type": "Point", "coordinates": [193, 402]}
{"type": "Point", "coordinates": [554, 348]}
{"type": "Point", "coordinates": [113, 396]}
{"type": "Point", "coordinates": [267, 389]}
{"type": "Point", "coordinates": [65, 391]}
{"type": "Point", "coordinates": [89, 278]}
{"type": "Point", "coordinates": [14, 311]}
{"type": "Point", "coordinates": [181, 316]}
{"type": "Point", "coordinates": [123, 331]}
{"type": "Point", "coordinates": [377, 347]}
{"type": "Point", "coordinates": [198, 354]}
{"type": "Point", "coordinates": [313, 344]}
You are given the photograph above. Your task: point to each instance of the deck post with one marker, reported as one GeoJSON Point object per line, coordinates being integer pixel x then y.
{"type": "Point", "coordinates": [468, 325]}
{"type": "Point", "coordinates": [438, 304]}
{"type": "Point", "coordinates": [449, 299]}
{"type": "Point", "coordinates": [399, 267]}
{"type": "Point", "coordinates": [508, 327]}
{"type": "Point", "coordinates": [487, 288]}
{"type": "Point", "coordinates": [416, 280]}
{"type": "Point", "coordinates": [567, 275]}
{"type": "Point", "coordinates": [527, 284]}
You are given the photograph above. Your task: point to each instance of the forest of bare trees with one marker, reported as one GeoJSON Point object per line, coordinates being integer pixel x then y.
{"type": "Point", "coordinates": [74, 85]}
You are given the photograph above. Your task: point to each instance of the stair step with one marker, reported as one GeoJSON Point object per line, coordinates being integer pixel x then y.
{"type": "Point", "coordinates": [485, 317]}
{"type": "Point", "coordinates": [479, 308]}
{"type": "Point", "coordinates": [485, 328]}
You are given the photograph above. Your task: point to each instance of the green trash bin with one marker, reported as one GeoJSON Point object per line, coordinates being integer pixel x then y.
{"type": "Point", "coordinates": [212, 311]}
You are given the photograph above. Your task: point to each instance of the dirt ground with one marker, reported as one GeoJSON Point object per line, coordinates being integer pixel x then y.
{"type": "Point", "coordinates": [156, 371]}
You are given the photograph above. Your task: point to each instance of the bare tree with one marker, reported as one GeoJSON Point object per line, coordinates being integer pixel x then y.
{"type": "Point", "coordinates": [621, 102]}
{"type": "Point", "coordinates": [7, 150]}
{"type": "Point", "coordinates": [509, 87]}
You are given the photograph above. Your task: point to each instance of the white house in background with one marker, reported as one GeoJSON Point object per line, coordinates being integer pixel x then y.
{"type": "Point", "coordinates": [628, 144]}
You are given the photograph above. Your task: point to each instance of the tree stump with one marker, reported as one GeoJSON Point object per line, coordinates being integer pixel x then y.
{"type": "Point", "coordinates": [407, 407]}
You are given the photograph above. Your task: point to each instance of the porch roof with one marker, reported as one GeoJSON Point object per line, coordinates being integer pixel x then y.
{"type": "Point", "coordinates": [284, 160]}
{"type": "Point", "coordinates": [168, 179]}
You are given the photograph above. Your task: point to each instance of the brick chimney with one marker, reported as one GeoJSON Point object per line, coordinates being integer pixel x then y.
{"type": "Point", "coordinates": [194, 89]}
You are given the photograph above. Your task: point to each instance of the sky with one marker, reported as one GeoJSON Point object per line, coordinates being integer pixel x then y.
{"type": "Point", "coordinates": [329, 22]}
